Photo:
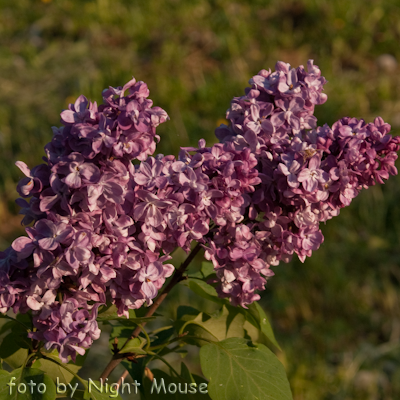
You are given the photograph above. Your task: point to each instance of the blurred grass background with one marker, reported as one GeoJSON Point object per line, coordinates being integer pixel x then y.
{"type": "Point", "coordinates": [337, 316]}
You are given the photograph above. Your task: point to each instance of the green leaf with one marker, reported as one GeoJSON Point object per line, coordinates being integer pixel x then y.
{"type": "Point", "coordinates": [134, 321]}
{"type": "Point", "coordinates": [136, 371]}
{"type": "Point", "coordinates": [204, 290]}
{"type": "Point", "coordinates": [207, 269]}
{"type": "Point", "coordinates": [7, 326]}
{"type": "Point", "coordinates": [239, 371]}
{"type": "Point", "coordinates": [12, 352]}
{"type": "Point", "coordinates": [110, 314]}
{"type": "Point", "coordinates": [186, 311]}
{"type": "Point", "coordinates": [133, 346]}
{"type": "Point", "coordinates": [162, 335]}
{"type": "Point", "coordinates": [24, 378]}
{"type": "Point", "coordinates": [218, 327]}
{"type": "Point", "coordinates": [262, 323]}
{"type": "Point", "coordinates": [253, 333]}
{"type": "Point", "coordinates": [186, 374]}
{"type": "Point", "coordinates": [25, 319]}
{"type": "Point", "coordinates": [255, 315]}
{"type": "Point", "coordinates": [173, 384]}
{"type": "Point", "coordinates": [96, 391]}
{"type": "Point", "coordinates": [54, 371]}
{"type": "Point", "coordinates": [21, 321]}
{"type": "Point", "coordinates": [79, 394]}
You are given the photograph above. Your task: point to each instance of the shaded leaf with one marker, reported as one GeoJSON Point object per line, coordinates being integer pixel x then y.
{"type": "Point", "coordinates": [133, 346]}
{"type": "Point", "coordinates": [204, 290]}
{"type": "Point", "coordinates": [25, 319]}
{"type": "Point", "coordinates": [11, 350]}
{"type": "Point", "coordinates": [7, 326]}
{"type": "Point", "coordinates": [186, 310]}
{"type": "Point", "coordinates": [54, 370]}
{"type": "Point", "coordinates": [163, 335]}
{"type": "Point", "coordinates": [136, 371]}
{"type": "Point", "coordinates": [262, 322]}
{"type": "Point", "coordinates": [186, 374]}
{"type": "Point", "coordinates": [255, 315]}
{"type": "Point", "coordinates": [110, 314]}
{"type": "Point", "coordinates": [207, 269]}
{"type": "Point", "coordinates": [24, 377]}
{"type": "Point", "coordinates": [219, 326]}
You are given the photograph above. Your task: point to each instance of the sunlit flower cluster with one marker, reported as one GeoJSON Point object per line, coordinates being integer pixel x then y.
{"type": "Point", "coordinates": [307, 173]}
{"type": "Point", "coordinates": [102, 228]}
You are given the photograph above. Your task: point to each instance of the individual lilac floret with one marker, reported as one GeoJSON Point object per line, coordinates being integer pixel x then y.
{"type": "Point", "coordinates": [35, 180]}
{"type": "Point", "coordinates": [312, 176]}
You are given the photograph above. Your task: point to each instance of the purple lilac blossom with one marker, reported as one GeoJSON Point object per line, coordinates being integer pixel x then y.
{"type": "Point", "coordinates": [103, 228]}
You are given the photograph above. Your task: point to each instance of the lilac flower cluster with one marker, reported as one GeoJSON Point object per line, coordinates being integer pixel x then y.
{"type": "Point", "coordinates": [84, 248]}
{"type": "Point", "coordinates": [103, 228]}
{"type": "Point", "coordinates": [308, 174]}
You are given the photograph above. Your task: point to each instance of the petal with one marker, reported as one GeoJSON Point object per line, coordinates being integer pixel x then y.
{"type": "Point", "coordinates": [139, 210]}
{"type": "Point", "coordinates": [168, 270]}
{"type": "Point", "coordinates": [303, 175]}
{"type": "Point", "coordinates": [81, 104]}
{"type": "Point", "coordinates": [310, 185]}
{"type": "Point", "coordinates": [24, 168]}
{"type": "Point", "coordinates": [141, 179]}
{"type": "Point", "coordinates": [33, 304]}
{"type": "Point", "coordinates": [314, 162]}
{"type": "Point", "coordinates": [48, 243]}
{"type": "Point", "coordinates": [82, 254]}
{"type": "Point", "coordinates": [73, 180]}
{"type": "Point", "coordinates": [255, 112]}
{"type": "Point", "coordinates": [24, 246]}
{"type": "Point", "coordinates": [154, 216]}
{"type": "Point", "coordinates": [278, 119]}
{"type": "Point", "coordinates": [292, 181]}
{"type": "Point", "coordinates": [65, 234]}
{"type": "Point", "coordinates": [294, 121]}
{"type": "Point", "coordinates": [149, 290]}
{"type": "Point", "coordinates": [25, 186]}
{"type": "Point", "coordinates": [90, 172]}
{"type": "Point", "coordinates": [68, 116]}
{"type": "Point", "coordinates": [267, 126]}
{"type": "Point", "coordinates": [45, 227]}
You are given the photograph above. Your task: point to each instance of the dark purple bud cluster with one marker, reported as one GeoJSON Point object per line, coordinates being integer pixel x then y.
{"type": "Point", "coordinates": [104, 228]}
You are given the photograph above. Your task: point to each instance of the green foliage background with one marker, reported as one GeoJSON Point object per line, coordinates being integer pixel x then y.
{"type": "Point", "coordinates": [337, 317]}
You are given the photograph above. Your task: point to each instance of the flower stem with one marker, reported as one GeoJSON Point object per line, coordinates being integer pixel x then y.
{"type": "Point", "coordinates": [176, 278]}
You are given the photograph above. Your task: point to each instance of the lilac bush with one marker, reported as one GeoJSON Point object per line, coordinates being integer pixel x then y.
{"type": "Point", "coordinates": [103, 229]}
